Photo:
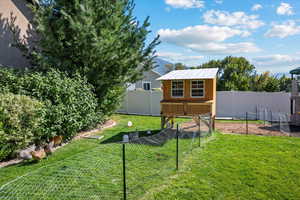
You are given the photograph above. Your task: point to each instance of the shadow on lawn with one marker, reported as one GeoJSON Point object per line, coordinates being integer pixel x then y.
{"type": "Point", "coordinates": [156, 138]}
{"type": "Point", "coordinates": [292, 130]}
{"type": "Point", "coordinates": [119, 137]}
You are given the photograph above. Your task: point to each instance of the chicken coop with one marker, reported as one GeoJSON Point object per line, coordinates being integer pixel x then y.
{"type": "Point", "coordinates": [188, 93]}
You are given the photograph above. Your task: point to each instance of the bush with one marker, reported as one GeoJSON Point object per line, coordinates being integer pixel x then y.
{"type": "Point", "coordinates": [70, 103]}
{"type": "Point", "coordinates": [20, 123]}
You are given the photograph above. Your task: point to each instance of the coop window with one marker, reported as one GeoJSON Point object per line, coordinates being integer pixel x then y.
{"type": "Point", "coordinates": [147, 85]}
{"type": "Point", "coordinates": [197, 88]}
{"type": "Point", "coordinates": [177, 88]}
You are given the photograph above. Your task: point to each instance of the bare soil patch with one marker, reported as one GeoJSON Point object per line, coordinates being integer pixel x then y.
{"type": "Point", "coordinates": [240, 128]}
{"type": "Point", "coordinates": [253, 129]}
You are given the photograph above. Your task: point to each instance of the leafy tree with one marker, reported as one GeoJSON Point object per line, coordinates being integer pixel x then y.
{"type": "Point", "coordinates": [234, 73]}
{"type": "Point", "coordinates": [285, 83]}
{"type": "Point", "coordinates": [99, 39]}
{"type": "Point", "coordinates": [270, 83]}
{"type": "Point", "coordinates": [169, 67]}
{"type": "Point", "coordinates": [180, 66]}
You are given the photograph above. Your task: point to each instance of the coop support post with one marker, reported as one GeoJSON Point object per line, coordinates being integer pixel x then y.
{"type": "Point", "coordinates": [163, 121]}
{"type": "Point", "coordinates": [247, 124]}
{"type": "Point", "coordinates": [124, 172]}
{"type": "Point", "coordinates": [177, 146]}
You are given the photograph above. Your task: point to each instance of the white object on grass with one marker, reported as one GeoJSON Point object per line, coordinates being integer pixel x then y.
{"type": "Point", "coordinates": [129, 124]}
{"type": "Point", "coordinates": [149, 132]}
{"type": "Point", "coordinates": [125, 138]}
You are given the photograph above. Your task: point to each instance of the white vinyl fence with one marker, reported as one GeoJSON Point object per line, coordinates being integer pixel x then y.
{"type": "Point", "coordinates": [229, 104]}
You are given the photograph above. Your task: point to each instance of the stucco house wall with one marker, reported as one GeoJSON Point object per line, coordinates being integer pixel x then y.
{"type": "Point", "coordinates": [11, 56]}
{"type": "Point", "coordinates": [149, 76]}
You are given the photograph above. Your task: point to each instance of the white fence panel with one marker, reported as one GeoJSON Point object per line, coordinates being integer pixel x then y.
{"type": "Point", "coordinates": [229, 103]}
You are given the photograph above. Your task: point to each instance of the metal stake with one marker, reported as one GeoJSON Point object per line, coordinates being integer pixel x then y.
{"type": "Point", "coordinates": [124, 173]}
{"type": "Point", "coordinates": [247, 125]}
{"type": "Point", "coordinates": [199, 131]}
{"type": "Point", "coordinates": [177, 148]}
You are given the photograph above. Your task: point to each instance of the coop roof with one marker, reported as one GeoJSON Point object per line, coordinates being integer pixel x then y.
{"type": "Point", "coordinates": [208, 73]}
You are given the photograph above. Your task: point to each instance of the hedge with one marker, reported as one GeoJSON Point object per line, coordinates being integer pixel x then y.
{"type": "Point", "coordinates": [70, 104]}
{"type": "Point", "coordinates": [21, 119]}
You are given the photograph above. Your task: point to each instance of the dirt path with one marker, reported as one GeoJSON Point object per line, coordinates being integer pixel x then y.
{"type": "Point", "coordinates": [106, 125]}
{"type": "Point", "coordinates": [238, 128]}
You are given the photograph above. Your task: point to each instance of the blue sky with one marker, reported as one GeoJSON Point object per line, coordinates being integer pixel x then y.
{"type": "Point", "coordinates": [267, 32]}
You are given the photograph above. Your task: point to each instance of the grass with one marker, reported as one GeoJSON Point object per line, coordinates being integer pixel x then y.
{"type": "Point", "coordinates": [239, 167]}
{"type": "Point", "coordinates": [90, 169]}
{"type": "Point", "coordinates": [228, 167]}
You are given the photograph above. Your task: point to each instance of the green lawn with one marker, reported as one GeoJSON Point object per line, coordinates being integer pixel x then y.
{"type": "Point", "coordinates": [225, 167]}
{"type": "Point", "coordinates": [239, 167]}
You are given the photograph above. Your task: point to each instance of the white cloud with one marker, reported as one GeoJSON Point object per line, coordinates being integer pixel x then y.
{"type": "Point", "coordinates": [276, 59]}
{"type": "Point", "coordinates": [277, 62]}
{"type": "Point", "coordinates": [219, 1]}
{"type": "Point", "coordinates": [179, 57]}
{"type": "Point", "coordinates": [185, 3]}
{"type": "Point", "coordinates": [200, 33]}
{"type": "Point", "coordinates": [239, 19]}
{"type": "Point", "coordinates": [208, 39]}
{"type": "Point", "coordinates": [285, 9]}
{"type": "Point", "coordinates": [283, 30]}
{"type": "Point", "coordinates": [168, 9]}
{"type": "Point", "coordinates": [256, 7]}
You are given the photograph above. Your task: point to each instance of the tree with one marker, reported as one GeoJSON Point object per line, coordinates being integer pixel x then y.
{"type": "Point", "coordinates": [285, 83]}
{"type": "Point", "coordinates": [99, 39]}
{"type": "Point", "coordinates": [180, 66]}
{"type": "Point", "coordinates": [235, 73]}
{"type": "Point", "coordinates": [270, 83]}
{"type": "Point", "coordinates": [169, 67]}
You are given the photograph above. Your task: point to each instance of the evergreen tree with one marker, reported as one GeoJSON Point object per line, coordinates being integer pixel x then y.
{"type": "Point", "coordinates": [99, 39]}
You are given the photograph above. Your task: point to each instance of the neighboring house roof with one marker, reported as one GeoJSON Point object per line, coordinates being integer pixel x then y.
{"type": "Point", "coordinates": [161, 68]}
{"type": "Point", "coordinates": [295, 71]}
{"type": "Point", "coordinates": [207, 73]}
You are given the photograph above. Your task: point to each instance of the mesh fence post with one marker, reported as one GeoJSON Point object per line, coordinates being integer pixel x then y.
{"type": "Point", "coordinates": [210, 124]}
{"type": "Point", "coordinates": [279, 122]}
{"type": "Point", "coordinates": [271, 114]}
{"type": "Point", "coordinates": [256, 114]}
{"type": "Point", "coordinates": [177, 147]}
{"type": "Point", "coordinates": [124, 172]}
{"type": "Point", "coordinates": [264, 117]}
{"type": "Point", "coordinates": [199, 131]}
{"type": "Point", "coordinates": [247, 125]}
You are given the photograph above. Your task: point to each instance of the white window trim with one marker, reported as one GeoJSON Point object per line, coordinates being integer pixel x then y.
{"type": "Point", "coordinates": [147, 82]}
{"type": "Point", "coordinates": [172, 89]}
{"type": "Point", "coordinates": [191, 94]}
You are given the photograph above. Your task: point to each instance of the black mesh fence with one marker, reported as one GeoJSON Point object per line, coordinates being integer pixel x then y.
{"type": "Point", "coordinates": [94, 174]}
{"type": "Point", "coordinates": [115, 169]}
{"type": "Point", "coordinates": [263, 122]}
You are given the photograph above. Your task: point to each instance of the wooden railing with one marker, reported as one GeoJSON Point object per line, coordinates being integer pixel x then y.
{"type": "Point", "coordinates": [185, 108]}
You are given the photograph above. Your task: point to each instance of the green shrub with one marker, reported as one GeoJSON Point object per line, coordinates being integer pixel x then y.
{"type": "Point", "coordinates": [70, 103]}
{"type": "Point", "coordinates": [21, 118]}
